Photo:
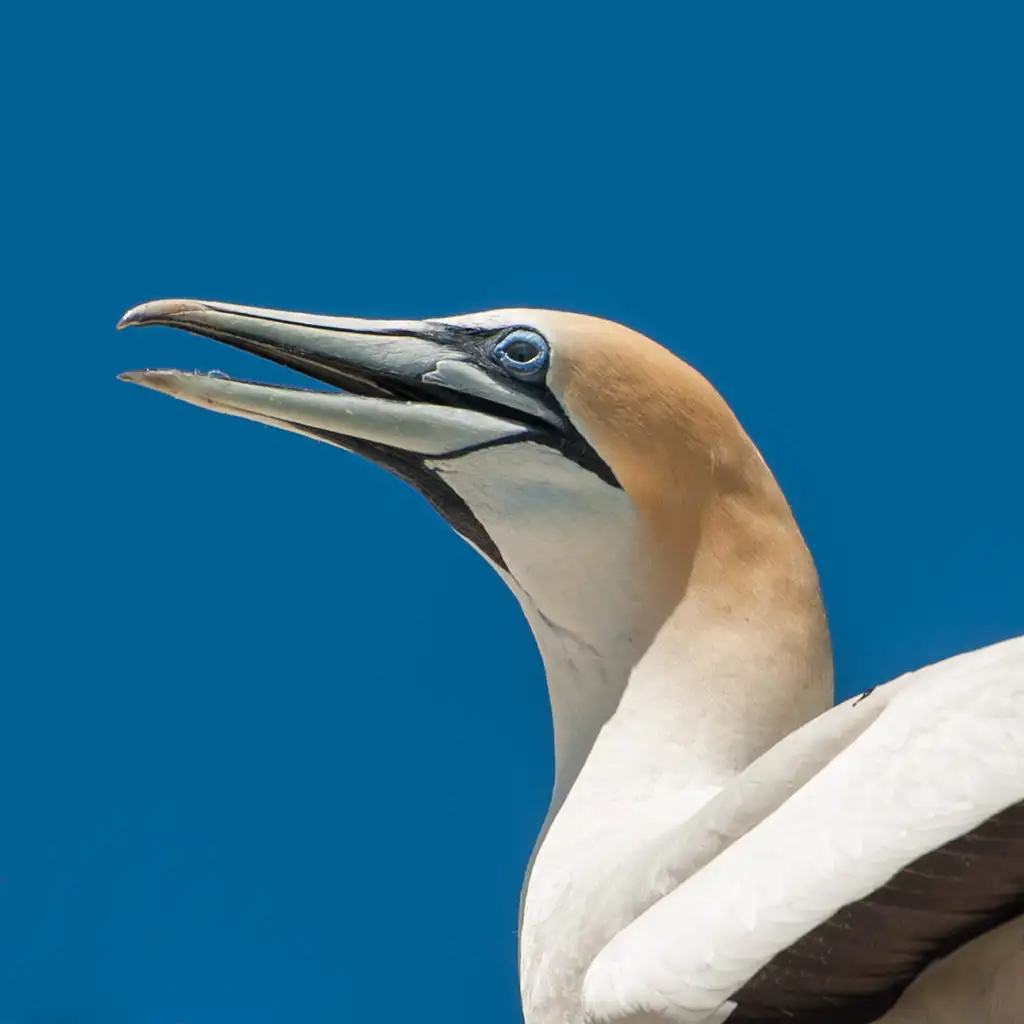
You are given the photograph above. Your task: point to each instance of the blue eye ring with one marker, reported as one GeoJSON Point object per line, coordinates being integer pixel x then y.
{"type": "Point", "coordinates": [522, 353]}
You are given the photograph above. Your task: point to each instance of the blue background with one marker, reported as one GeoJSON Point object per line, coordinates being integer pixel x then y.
{"type": "Point", "coordinates": [274, 744]}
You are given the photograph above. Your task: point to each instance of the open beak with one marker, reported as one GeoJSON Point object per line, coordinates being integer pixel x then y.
{"type": "Point", "coordinates": [414, 387]}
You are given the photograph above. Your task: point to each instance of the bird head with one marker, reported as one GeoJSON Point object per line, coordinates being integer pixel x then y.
{"type": "Point", "coordinates": [602, 477]}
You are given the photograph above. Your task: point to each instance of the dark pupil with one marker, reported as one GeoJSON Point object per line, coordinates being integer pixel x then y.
{"type": "Point", "coordinates": [521, 351]}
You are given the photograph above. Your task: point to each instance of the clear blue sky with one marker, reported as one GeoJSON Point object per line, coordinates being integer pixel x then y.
{"type": "Point", "coordinates": [274, 743]}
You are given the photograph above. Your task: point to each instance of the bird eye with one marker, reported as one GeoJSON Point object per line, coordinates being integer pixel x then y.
{"type": "Point", "coordinates": [522, 353]}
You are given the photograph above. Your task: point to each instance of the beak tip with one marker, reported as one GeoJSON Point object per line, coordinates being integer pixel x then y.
{"type": "Point", "coordinates": [156, 380]}
{"type": "Point", "coordinates": [159, 311]}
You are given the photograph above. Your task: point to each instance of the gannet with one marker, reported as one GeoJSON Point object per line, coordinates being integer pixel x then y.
{"type": "Point", "coordinates": [721, 845]}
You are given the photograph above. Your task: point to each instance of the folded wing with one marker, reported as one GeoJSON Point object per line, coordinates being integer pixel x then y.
{"type": "Point", "coordinates": [907, 843]}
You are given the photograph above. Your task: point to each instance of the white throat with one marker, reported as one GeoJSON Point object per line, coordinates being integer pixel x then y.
{"type": "Point", "coordinates": [575, 562]}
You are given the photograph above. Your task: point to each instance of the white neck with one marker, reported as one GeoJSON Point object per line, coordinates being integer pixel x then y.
{"type": "Point", "coordinates": [667, 676]}
{"type": "Point", "coordinates": [585, 685]}
{"type": "Point", "coordinates": [699, 707]}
